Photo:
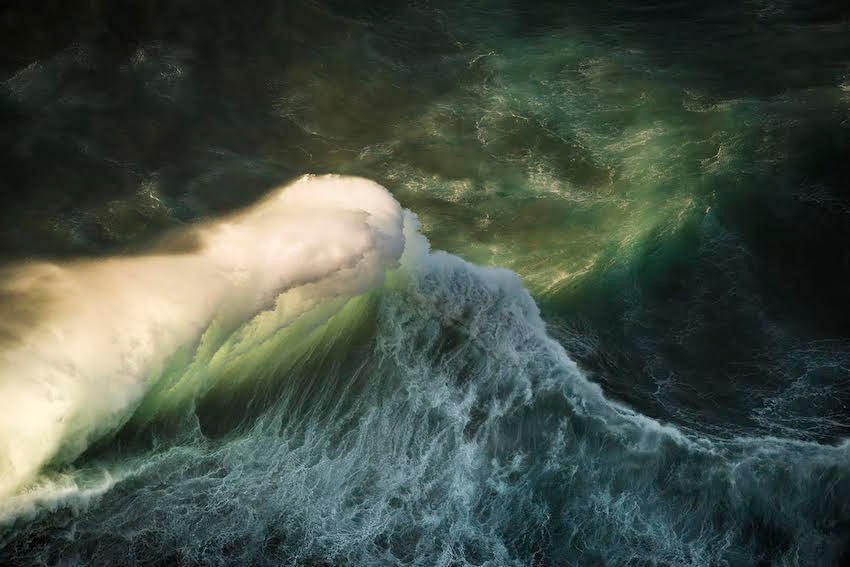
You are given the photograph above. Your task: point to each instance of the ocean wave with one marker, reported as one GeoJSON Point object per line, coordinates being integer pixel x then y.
{"type": "Point", "coordinates": [408, 409]}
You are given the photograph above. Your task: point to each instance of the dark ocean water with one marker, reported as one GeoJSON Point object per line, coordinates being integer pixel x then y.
{"type": "Point", "coordinates": [628, 344]}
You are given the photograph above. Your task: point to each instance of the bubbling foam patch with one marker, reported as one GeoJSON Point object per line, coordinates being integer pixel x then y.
{"type": "Point", "coordinates": [84, 340]}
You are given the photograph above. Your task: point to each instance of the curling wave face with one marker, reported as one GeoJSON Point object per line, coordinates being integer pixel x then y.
{"type": "Point", "coordinates": [425, 417]}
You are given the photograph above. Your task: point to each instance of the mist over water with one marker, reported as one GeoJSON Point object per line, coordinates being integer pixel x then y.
{"type": "Point", "coordinates": [653, 369]}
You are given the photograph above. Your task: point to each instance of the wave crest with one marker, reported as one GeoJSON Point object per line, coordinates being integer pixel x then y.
{"type": "Point", "coordinates": [90, 337]}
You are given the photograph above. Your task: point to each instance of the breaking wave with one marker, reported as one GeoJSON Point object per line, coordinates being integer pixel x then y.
{"type": "Point", "coordinates": [307, 382]}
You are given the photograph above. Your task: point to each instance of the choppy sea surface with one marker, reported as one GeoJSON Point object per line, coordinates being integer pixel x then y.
{"type": "Point", "coordinates": [564, 284]}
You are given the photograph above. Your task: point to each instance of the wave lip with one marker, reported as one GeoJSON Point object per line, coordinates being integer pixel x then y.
{"type": "Point", "coordinates": [84, 340]}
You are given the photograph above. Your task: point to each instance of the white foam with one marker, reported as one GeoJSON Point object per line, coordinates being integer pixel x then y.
{"type": "Point", "coordinates": [84, 339]}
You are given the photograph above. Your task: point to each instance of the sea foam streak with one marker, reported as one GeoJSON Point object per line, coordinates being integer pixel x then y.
{"type": "Point", "coordinates": [84, 340]}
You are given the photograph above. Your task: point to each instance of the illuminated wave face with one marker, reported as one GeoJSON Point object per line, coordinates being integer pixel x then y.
{"type": "Point", "coordinates": [87, 338]}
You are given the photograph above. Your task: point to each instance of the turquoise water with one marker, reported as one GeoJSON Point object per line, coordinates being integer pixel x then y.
{"type": "Point", "coordinates": [630, 349]}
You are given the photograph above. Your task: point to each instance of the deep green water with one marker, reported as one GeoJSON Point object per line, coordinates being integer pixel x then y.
{"type": "Point", "coordinates": [668, 181]}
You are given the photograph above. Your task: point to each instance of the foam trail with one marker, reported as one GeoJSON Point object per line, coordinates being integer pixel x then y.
{"type": "Point", "coordinates": [84, 340]}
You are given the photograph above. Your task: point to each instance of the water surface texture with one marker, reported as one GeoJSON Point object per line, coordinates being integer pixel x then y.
{"type": "Point", "coordinates": [564, 283]}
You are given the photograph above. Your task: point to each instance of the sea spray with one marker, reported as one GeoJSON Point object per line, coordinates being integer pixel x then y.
{"type": "Point", "coordinates": [106, 330]}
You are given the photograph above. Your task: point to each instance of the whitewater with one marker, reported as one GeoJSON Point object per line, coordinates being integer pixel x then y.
{"type": "Point", "coordinates": [305, 381]}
